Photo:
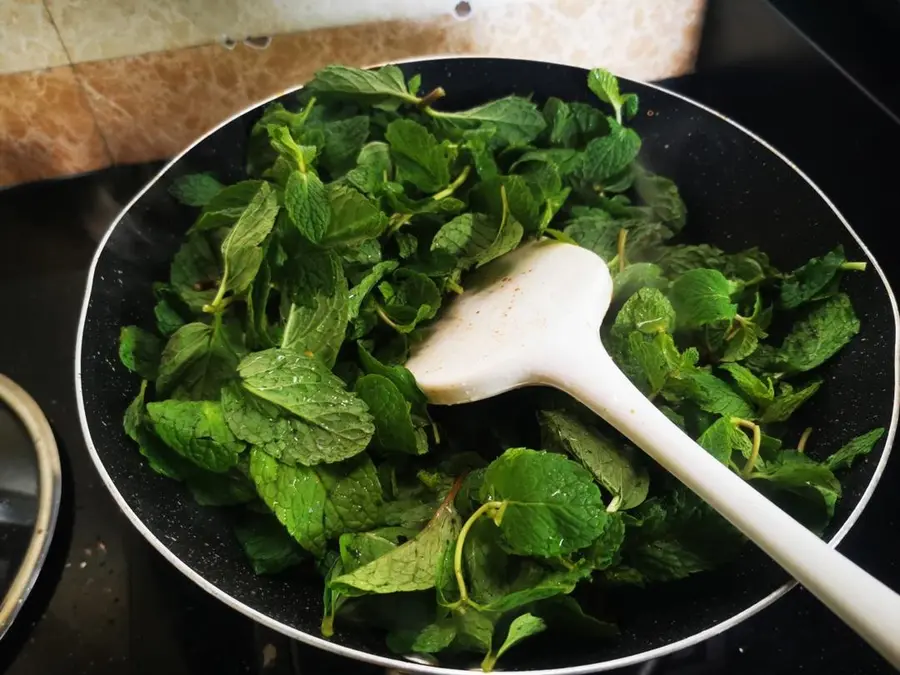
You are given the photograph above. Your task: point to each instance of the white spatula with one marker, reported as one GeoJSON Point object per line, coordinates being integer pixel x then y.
{"type": "Point", "coordinates": [533, 317]}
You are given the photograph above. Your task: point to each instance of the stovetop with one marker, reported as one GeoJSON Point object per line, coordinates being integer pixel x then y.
{"type": "Point", "coordinates": [106, 603]}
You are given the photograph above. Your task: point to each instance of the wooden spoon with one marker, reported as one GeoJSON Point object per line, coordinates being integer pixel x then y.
{"type": "Point", "coordinates": [533, 317]}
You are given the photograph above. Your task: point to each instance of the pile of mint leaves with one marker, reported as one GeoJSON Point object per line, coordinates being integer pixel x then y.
{"type": "Point", "coordinates": [273, 381]}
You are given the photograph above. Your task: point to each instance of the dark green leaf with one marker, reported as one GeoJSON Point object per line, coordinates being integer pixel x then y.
{"type": "Point", "coordinates": [266, 543]}
{"type": "Point", "coordinates": [516, 120]}
{"type": "Point", "coordinates": [418, 156]}
{"type": "Point", "coordinates": [815, 280]}
{"type": "Point", "coordinates": [613, 465]}
{"type": "Point", "coordinates": [761, 393]}
{"type": "Point", "coordinates": [859, 446]}
{"type": "Point", "coordinates": [196, 272]}
{"type": "Point", "coordinates": [220, 489]}
{"type": "Point", "coordinates": [710, 394]}
{"type": "Point", "coordinates": [722, 438]}
{"type": "Point", "coordinates": [384, 87]}
{"type": "Point", "coordinates": [552, 505]}
{"type": "Point", "coordinates": [241, 249]}
{"type": "Point", "coordinates": [647, 311]}
{"type": "Point", "coordinates": [196, 189]}
{"type": "Point", "coordinates": [702, 296]}
{"type": "Point", "coordinates": [306, 202]}
{"type": "Point", "coordinates": [430, 639]}
{"type": "Point", "coordinates": [635, 277]}
{"type": "Point", "coordinates": [818, 336]}
{"type": "Point", "coordinates": [609, 155]}
{"type": "Point", "coordinates": [140, 351]}
{"type": "Point", "coordinates": [796, 473]}
{"type": "Point", "coordinates": [522, 627]}
{"type": "Point", "coordinates": [787, 402]}
{"type": "Point", "coordinates": [197, 431]}
{"type": "Point", "coordinates": [198, 359]}
{"type": "Point", "coordinates": [394, 429]}
{"type": "Point", "coordinates": [354, 219]}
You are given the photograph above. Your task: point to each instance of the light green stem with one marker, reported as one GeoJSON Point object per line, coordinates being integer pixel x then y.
{"type": "Point", "coordinates": [757, 439]}
{"type": "Point", "coordinates": [854, 266]}
{"type": "Point", "coordinates": [460, 543]}
{"type": "Point", "coordinates": [450, 189]}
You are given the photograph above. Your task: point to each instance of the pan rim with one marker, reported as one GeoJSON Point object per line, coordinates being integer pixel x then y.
{"type": "Point", "coordinates": [424, 669]}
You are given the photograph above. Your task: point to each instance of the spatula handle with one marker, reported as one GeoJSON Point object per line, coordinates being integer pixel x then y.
{"type": "Point", "coordinates": [864, 603]}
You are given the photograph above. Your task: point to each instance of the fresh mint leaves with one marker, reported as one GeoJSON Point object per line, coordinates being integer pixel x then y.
{"type": "Point", "coordinates": [273, 379]}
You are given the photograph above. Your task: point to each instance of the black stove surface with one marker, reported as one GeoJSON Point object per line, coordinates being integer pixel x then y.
{"type": "Point", "coordinates": [107, 603]}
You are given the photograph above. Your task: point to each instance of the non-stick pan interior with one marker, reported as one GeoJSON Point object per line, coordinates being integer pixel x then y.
{"type": "Point", "coordinates": [739, 194]}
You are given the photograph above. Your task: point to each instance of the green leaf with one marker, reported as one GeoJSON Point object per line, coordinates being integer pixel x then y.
{"type": "Point", "coordinates": [373, 168]}
{"type": "Point", "coordinates": [197, 431]}
{"type": "Point", "coordinates": [354, 219]}
{"type": "Point", "coordinates": [710, 394]}
{"type": "Point", "coordinates": [160, 457]}
{"type": "Point", "coordinates": [344, 140]}
{"type": "Point", "coordinates": [761, 393]}
{"type": "Point", "coordinates": [635, 277]}
{"type": "Point", "coordinates": [818, 336]}
{"type": "Point", "coordinates": [338, 421]}
{"type": "Point", "coordinates": [516, 121]}
{"type": "Point", "coordinates": [317, 504]}
{"type": "Point", "coordinates": [220, 489]}
{"type": "Point", "coordinates": [430, 639]}
{"type": "Point", "coordinates": [743, 340]}
{"type": "Point", "coordinates": [196, 189]}
{"type": "Point", "coordinates": [701, 297]}
{"type": "Point", "coordinates": [414, 300]}
{"type": "Point", "coordinates": [787, 402]}
{"type": "Point", "coordinates": [306, 203]}
{"type": "Point", "coordinates": [241, 249]}
{"type": "Point", "coordinates": [605, 549]}
{"type": "Point", "coordinates": [317, 305]}
{"type": "Point", "coordinates": [411, 566]}
{"type": "Point", "coordinates": [722, 438]}
{"type": "Point", "coordinates": [796, 473]}
{"type": "Point", "coordinates": [267, 545]}
{"type": "Point", "coordinates": [140, 351]}
{"type": "Point", "coordinates": [522, 627]}
{"type": "Point", "coordinates": [196, 272]}
{"type": "Point", "coordinates": [551, 505]}
{"type": "Point", "coordinates": [419, 158]}
{"type": "Point", "coordinates": [614, 466]}
{"type": "Point", "coordinates": [394, 429]}
{"type": "Point", "coordinates": [652, 361]}
{"type": "Point", "coordinates": [361, 291]}
{"type": "Point", "coordinates": [565, 160]}
{"type": "Point", "coordinates": [170, 310]}
{"type": "Point", "coordinates": [384, 87]}
{"type": "Point", "coordinates": [663, 198]}
{"type": "Point", "coordinates": [859, 446]}
{"type": "Point", "coordinates": [400, 376]}
{"type": "Point", "coordinates": [815, 280]}
{"type": "Point", "coordinates": [226, 207]}
{"type": "Point", "coordinates": [647, 311]}
{"type": "Point", "coordinates": [606, 87]}
{"type": "Point", "coordinates": [609, 155]}
{"type": "Point", "coordinates": [198, 359]}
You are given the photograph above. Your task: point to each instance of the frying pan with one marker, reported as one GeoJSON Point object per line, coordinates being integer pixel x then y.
{"type": "Point", "coordinates": [740, 192]}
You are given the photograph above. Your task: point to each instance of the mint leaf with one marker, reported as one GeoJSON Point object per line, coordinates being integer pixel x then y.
{"type": "Point", "coordinates": [160, 457]}
{"type": "Point", "coordinates": [197, 431]}
{"type": "Point", "coordinates": [196, 271]}
{"type": "Point", "coordinates": [605, 549]}
{"type": "Point", "coordinates": [198, 359]}
{"type": "Point", "coordinates": [647, 311]}
{"type": "Point", "coordinates": [354, 219]}
{"type": "Point", "coordinates": [338, 420]}
{"type": "Point", "coordinates": [722, 438]}
{"type": "Point", "coordinates": [315, 305]}
{"type": "Point", "coordinates": [516, 121]}
{"type": "Point", "coordinates": [306, 203]}
{"type": "Point", "coordinates": [663, 198]}
{"type": "Point", "coordinates": [343, 141]}
{"type": "Point", "coordinates": [418, 156]}
{"type": "Point", "coordinates": [241, 250]}
{"type": "Point", "coordinates": [361, 291]}
{"type": "Point", "coordinates": [551, 505]}
{"type": "Point", "coordinates": [319, 503]}
{"type": "Point", "coordinates": [606, 87]}
{"type": "Point", "coordinates": [373, 168]}
{"type": "Point", "coordinates": [267, 545]}
{"type": "Point", "coordinates": [652, 361]}
{"type": "Point", "coordinates": [196, 189]}
{"type": "Point", "coordinates": [859, 446]}
{"type": "Point", "coordinates": [414, 300]}
{"type": "Point", "coordinates": [635, 277]}
{"type": "Point", "coordinates": [818, 336]}
{"type": "Point", "coordinates": [815, 280]}
{"type": "Point", "coordinates": [522, 627]}
{"type": "Point", "coordinates": [139, 351]}
{"type": "Point", "coordinates": [609, 155]}
{"type": "Point", "coordinates": [430, 639]}
{"type": "Point", "coordinates": [709, 393]}
{"type": "Point", "coordinates": [761, 393]}
{"type": "Point", "coordinates": [701, 297]}
{"type": "Point", "coordinates": [614, 466]}
{"type": "Point", "coordinates": [787, 402]}
{"type": "Point", "coordinates": [383, 88]}
{"type": "Point", "coordinates": [400, 376]}
{"type": "Point", "coordinates": [797, 474]}
{"type": "Point", "coordinates": [220, 489]}
{"type": "Point", "coordinates": [743, 340]}
{"type": "Point", "coordinates": [411, 566]}
{"type": "Point", "coordinates": [394, 429]}
{"type": "Point", "coordinates": [226, 206]}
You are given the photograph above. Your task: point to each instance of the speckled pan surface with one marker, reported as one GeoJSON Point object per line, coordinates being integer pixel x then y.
{"type": "Point", "coordinates": [739, 193]}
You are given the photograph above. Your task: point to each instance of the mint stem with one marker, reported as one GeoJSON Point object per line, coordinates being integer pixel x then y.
{"type": "Point", "coordinates": [804, 437]}
{"type": "Point", "coordinates": [384, 317]}
{"type": "Point", "coordinates": [757, 439]}
{"type": "Point", "coordinates": [620, 248]}
{"type": "Point", "coordinates": [854, 266]}
{"type": "Point", "coordinates": [560, 236]}
{"type": "Point", "coordinates": [460, 542]}
{"type": "Point", "coordinates": [431, 97]}
{"type": "Point", "coordinates": [450, 189]}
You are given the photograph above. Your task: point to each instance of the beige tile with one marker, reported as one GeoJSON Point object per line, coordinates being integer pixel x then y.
{"type": "Point", "coordinates": [46, 127]}
{"type": "Point", "coordinates": [105, 29]}
{"type": "Point", "coordinates": [152, 106]}
{"type": "Point", "coordinates": [28, 40]}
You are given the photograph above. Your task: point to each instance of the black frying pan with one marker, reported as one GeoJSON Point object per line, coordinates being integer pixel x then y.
{"type": "Point", "coordinates": [739, 191]}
